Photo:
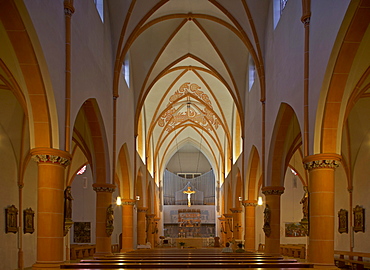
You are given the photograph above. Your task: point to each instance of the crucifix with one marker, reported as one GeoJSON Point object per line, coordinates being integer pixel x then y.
{"type": "Point", "coordinates": [189, 192]}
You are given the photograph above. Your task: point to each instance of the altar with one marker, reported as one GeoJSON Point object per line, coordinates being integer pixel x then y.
{"type": "Point", "coordinates": [196, 242]}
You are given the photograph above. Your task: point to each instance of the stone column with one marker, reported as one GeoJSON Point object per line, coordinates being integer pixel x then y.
{"type": "Point", "coordinates": [223, 231]}
{"type": "Point", "coordinates": [141, 225]}
{"type": "Point", "coordinates": [321, 170]}
{"type": "Point", "coordinates": [272, 219]}
{"type": "Point", "coordinates": [151, 227]}
{"type": "Point", "coordinates": [103, 201]}
{"type": "Point", "coordinates": [250, 225]}
{"type": "Point", "coordinates": [229, 227]}
{"type": "Point", "coordinates": [127, 225]}
{"type": "Point", "coordinates": [237, 218]}
{"type": "Point", "coordinates": [50, 206]}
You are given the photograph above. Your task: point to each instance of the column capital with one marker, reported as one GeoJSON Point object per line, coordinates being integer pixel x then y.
{"type": "Point", "coordinates": [150, 215]}
{"type": "Point", "coordinates": [68, 7]}
{"type": "Point", "coordinates": [247, 203]}
{"type": "Point", "coordinates": [128, 202]}
{"type": "Point", "coordinates": [156, 219]}
{"type": "Point", "coordinates": [273, 190]}
{"type": "Point", "coordinates": [306, 12]}
{"type": "Point", "coordinates": [142, 209]}
{"type": "Point", "coordinates": [236, 210]}
{"type": "Point", "coordinates": [321, 161]}
{"type": "Point", "coordinates": [50, 155]}
{"type": "Point", "coordinates": [221, 219]}
{"type": "Point", "coordinates": [228, 215]}
{"type": "Point", "coordinates": [104, 187]}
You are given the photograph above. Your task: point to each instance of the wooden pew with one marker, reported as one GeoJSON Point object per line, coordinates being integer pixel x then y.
{"type": "Point", "coordinates": [192, 258]}
{"type": "Point", "coordinates": [183, 265]}
{"type": "Point", "coordinates": [261, 248]}
{"type": "Point", "coordinates": [353, 260]}
{"type": "Point", "coordinates": [180, 260]}
{"type": "Point", "coordinates": [293, 250]}
{"type": "Point", "coordinates": [81, 251]}
{"type": "Point", "coordinates": [115, 248]}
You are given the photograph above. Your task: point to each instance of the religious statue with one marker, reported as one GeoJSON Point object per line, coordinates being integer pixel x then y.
{"type": "Point", "coordinates": [304, 202]}
{"type": "Point", "coordinates": [267, 220]}
{"type": "Point", "coordinates": [109, 221]}
{"type": "Point", "coordinates": [189, 192]}
{"type": "Point", "coordinates": [68, 203]}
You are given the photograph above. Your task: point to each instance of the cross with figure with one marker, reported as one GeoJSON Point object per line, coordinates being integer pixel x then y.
{"type": "Point", "coordinates": [189, 192]}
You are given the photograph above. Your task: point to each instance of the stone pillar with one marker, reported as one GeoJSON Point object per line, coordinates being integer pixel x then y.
{"type": "Point", "coordinates": [237, 218]}
{"type": "Point", "coordinates": [103, 201]}
{"type": "Point", "coordinates": [229, 227]}
{"type": "Point", "coordinates": [50, 206]}
{"type": "Point", "coordinates": [151, 228]}
{"type": "Point", "coordinates": [250, 225]}
{"type": "Point", "coordinates": [127, 225]}
{"type": "Point", "coordinates": [141, 225]}
{"type": "Point", "coordinates": [321, 170]}
{"type": "Point", "coordinates": [272, 219]}
{"type": "Point", "coordinates": [223, 231]}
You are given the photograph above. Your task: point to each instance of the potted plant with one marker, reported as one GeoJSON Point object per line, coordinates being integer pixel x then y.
{"type": "Point", "coordinates": [182, 244]}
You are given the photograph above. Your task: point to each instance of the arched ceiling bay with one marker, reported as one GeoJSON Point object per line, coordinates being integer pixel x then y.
{"type": "Point", "coordinates": [189, 65]}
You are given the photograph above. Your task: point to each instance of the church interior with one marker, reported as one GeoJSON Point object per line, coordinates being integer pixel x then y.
{"type": "Point", "coordinates": [169, 124]}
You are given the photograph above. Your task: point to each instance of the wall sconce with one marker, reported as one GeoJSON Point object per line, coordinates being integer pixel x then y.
{"type": "Point", "coordinates": [138, 198]}
{"type": "Point", "coordinates": [259, 202]}
{"type": "Point", "coordinates": [118, 201]}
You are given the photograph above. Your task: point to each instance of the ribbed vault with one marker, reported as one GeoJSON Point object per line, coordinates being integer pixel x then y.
{"type": "Point", "coordinates": [190, 82]}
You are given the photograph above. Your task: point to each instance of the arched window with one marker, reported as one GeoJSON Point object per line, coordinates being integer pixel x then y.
{"type": "Point", "coordinates": [251, 73]}
{"type": "Point", "coordinates": [99, 4]}
{"type": "Point", "coordinates": [126, 70]}
{"type": "Point", "coordinates": [278, 8]}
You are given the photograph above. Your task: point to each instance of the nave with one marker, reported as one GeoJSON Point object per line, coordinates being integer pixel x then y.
{"type": "Point", "coordinates": [101, 99]}
{"type": "Point", "coordinates": [174, 258]}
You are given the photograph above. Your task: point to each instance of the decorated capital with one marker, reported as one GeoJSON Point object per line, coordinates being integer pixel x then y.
{"type": "Point", "coordinates": [273, 190]}
{"type": "Point", "coordinates": [52, 156]}
{"type": "Point", "coordinates": [321, 161]}
{"type": "Point", "coordinates": [103, 187]}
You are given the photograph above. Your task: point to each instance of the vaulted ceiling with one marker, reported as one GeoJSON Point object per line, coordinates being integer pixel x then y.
{"type": "Point", "coordinates": [189, 63]}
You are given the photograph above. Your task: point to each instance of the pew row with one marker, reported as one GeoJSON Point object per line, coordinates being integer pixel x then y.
{"type": "Point", "coordinates": [141, 265]}
{"type": "Point", "coordinates": [296, 250]}
{"type": "Point", "coordinates": [192, 258]}
{"type": "Point", "coordinates": [352, 260]}
{"type": "Point", "coordinates": [81, 251]}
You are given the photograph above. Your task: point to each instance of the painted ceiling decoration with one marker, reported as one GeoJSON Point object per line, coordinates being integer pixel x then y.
{"type": "Point", "coordinates": [189, 111]}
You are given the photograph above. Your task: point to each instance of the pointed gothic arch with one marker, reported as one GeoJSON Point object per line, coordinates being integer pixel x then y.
{"type": "Point", "coordinates": [253, 175]}
{"type": "Point", "coordinates": [100, 159]}
{"type": "Point", "coordinates": [338, 88]}
{"type": "Point", "coordinates": [40, 108]}
{"type": "Point", "coordinates": [123, 173]}
{"type": "Point", "coordinates": [284, 138]}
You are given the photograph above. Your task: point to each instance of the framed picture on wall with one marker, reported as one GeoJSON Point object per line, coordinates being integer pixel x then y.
{"type": "Point", "coordinates": [28, 220]}
{"type": "Point", "coordinates": [359, 219]}
{"type": "Point", "coordinates": [11, 219]}
{"type": "Point", "coordinates": [294, 229]}
{"type": "Point", "coordinates": [343, 221]}
{"type": "Point", "coordinates": [81, 233]}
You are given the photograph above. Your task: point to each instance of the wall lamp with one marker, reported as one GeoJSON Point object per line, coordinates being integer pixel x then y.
{"type": "Point", "coordinates": [259, 202]}
{"type": "Point", "coordinates": [118, 201]}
